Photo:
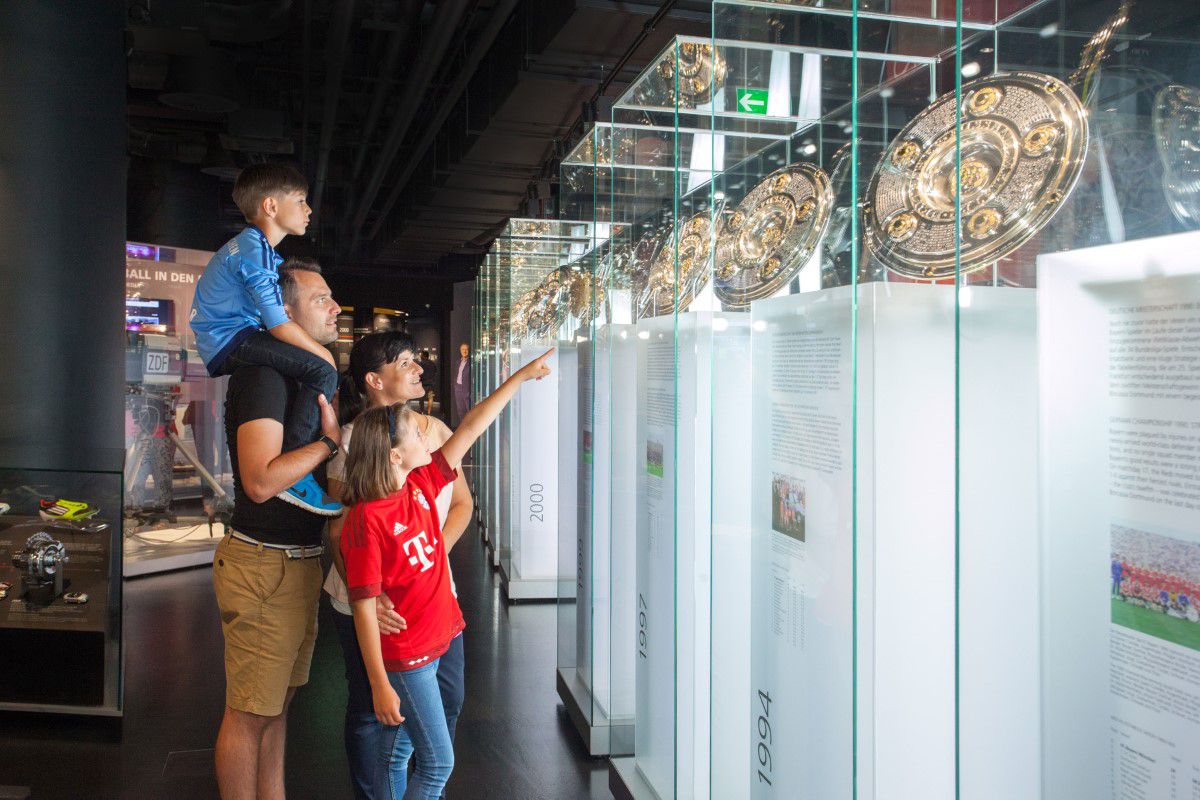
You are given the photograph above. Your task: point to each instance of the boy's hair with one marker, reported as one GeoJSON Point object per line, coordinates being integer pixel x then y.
{"type": "Point", "coordinates": [287, 276]}
{"type": "Point", "coordinates": [369, 474]}
{"type": "Point", "coordinates": [258, 181]}
{"type": "Point", "coordinates": [369, 354]}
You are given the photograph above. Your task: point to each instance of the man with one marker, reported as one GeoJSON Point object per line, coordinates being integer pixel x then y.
{"type": "Point", "coordinates": [462, 383]}
{"type": "Point", "coordinates": [267, 570]}
{"type": "Point", "coordinates": [429, 376]}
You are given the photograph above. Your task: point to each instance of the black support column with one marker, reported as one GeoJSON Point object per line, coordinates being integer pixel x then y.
{"type": "Point", "coordinates": [62, 231]}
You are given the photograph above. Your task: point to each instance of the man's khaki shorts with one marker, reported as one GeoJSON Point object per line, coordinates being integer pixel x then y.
{"type": "Point", "coordinates": [268, 606]}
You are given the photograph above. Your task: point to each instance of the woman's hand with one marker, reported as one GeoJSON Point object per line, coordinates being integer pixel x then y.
{"type": "Point", "coordinates": [387, 705]}
{"type": "Point", "coordinates": [536, 370]}
{"type": "Point", "coordinates": [389, 620]}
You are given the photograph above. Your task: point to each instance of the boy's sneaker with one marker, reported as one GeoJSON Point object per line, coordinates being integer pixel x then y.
{"type": "Point", "coordinates": [307, 494]}
{"type": "Point", "coordinates": [52, 510]}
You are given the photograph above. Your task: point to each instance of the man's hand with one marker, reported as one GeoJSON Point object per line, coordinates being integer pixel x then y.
{"type": "Point", "coordinates": [389, 620]}
{"type": "Point", "coordinates": [329, 423]}
{"type": "Point", "coordinates": [536, 370]}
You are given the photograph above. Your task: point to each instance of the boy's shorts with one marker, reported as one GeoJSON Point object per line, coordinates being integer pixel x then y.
{"type": "Point", "coordinates": [268, 606]}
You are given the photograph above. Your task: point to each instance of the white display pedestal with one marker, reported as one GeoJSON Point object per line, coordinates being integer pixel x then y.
{"type": "Point", "coordinates": [1120, 401]}
{"type": "Point", "coordinates": [678, 401]}
{"type": "Point", "coordinates": [529, 558]}
{"type": "Point", "coordinates": [599, 692]}
{"type": "Point", "coordinates": [806, 418]}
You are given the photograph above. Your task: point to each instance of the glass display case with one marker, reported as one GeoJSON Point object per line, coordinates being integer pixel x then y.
{"type": "Point", "coordinates": [178, 478]}
{"type": "Point", "coordinates": [483, 357]}
{"type": "Point", "coordinates": [690, 377]}
{"type": "Point", "coordinates": [534, 263]}
{"type": "Point", "coordinates": [596, 608]}
{"type": "Point", "coordinates": [60, 591]}
{"type": "Point", "coordinates": [915, 507]}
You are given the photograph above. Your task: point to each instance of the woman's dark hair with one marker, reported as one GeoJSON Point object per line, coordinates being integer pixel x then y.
{"type": "Point", "coordinates": [369, 354]}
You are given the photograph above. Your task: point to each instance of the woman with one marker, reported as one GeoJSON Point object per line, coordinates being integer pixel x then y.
{"type": "Point", "coordinates": [392, 544]}
{"type": "Point", "coordinates": [384, 371]}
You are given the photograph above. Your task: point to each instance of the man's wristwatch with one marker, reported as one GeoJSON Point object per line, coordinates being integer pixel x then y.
{"type": "Point", "coordinates": [331, 444]}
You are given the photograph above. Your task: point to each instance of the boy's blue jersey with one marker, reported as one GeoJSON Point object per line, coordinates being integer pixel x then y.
{"type": "Point", "coordinates": [237, 294]}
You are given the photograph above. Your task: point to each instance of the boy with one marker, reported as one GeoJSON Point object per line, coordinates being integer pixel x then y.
{"type": "Point", "coordinates": [238, 316]}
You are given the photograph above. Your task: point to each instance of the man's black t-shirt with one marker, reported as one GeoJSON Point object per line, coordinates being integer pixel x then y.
{"type": "Point", "coordinates": [262, 393]}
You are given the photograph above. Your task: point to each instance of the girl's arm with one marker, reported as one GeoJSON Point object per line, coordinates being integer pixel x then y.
{"type": "Point", "coordinates": [388, 620]}
{"type": "Point", "coordinates": [387, 702]}
{"type": "Point", "coordinates": [484, 414]}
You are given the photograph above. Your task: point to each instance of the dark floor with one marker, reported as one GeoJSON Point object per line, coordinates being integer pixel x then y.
{"type": "Point", "coordinates": [514, 741]}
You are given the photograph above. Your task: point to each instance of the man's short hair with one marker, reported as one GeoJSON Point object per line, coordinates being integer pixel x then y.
{"type": "Point", "coordinates": [258, 181]}
{"type": "Point", "coordinates": [424, 354]}
{"type": "Point", "coordinates": [287, 276]}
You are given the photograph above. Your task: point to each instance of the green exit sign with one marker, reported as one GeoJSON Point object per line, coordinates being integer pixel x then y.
{"type": "Point", "coordinates": [752, 101]}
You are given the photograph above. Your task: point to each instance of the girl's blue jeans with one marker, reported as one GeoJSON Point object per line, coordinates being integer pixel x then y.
{"type": "Point", "coordinates": [424, 732]}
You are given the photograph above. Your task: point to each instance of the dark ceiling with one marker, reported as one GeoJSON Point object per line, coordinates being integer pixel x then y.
{"type": "Point", "coordinates": [422, 126]}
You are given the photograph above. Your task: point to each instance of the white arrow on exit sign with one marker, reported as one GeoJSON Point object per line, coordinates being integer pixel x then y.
{"type": "Point", "coordinates": [752, 101]}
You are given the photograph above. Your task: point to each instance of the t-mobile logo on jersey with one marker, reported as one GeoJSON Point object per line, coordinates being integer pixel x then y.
{"type": "Point", "coordinates": [418, 549]}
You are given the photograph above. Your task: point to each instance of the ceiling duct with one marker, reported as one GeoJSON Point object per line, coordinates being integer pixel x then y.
{"type": "Point", "coordinates": [247, 22]}
{"type": "Point", "coordinates": [188, 148]}
{"type": "Point", "coordinates": [335, 58]}
{"type": "Point", "coordinates": [219, 162]}
{"type": "Point", "coordinates": [258, 123]}
{"type": "Point", "coordinates": [408, 16]}
{"type": "Point", "coordinates": [148, 70]}
{"type": "Point", "coordinates": [258, 130]}
{"type": "Point", "coordinates": [479, 48]}
{"type": "Point", "coordinates": [433, 49]}
{"type": "Point", "coordinates": [204, 83]}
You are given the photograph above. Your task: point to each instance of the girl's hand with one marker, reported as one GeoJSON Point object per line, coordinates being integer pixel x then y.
{"type": "Point", "coordinates": [387, 705]}
{"type": "Point", "coordinates": [536, 370]}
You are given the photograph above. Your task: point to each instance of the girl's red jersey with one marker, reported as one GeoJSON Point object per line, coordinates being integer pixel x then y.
{"type": "Point", "coordinates": [394, 545]}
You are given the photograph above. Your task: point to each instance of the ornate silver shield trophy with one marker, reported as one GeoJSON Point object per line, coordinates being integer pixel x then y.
{"type": "Point", "coordinates": [680, 269]}
{"type": "Point", "coordinates": [1177, 135]}
{"type": "Point", "coordinates": [1023, 137]}
{"type": "Point", "coordinates": [772, 234]}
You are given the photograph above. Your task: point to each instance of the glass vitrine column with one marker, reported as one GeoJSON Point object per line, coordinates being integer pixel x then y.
{"type": "Point", "coordinates": [532, 258]}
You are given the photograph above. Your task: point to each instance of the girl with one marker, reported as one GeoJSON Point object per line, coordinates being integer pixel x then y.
{"type": "Point", "coordinates": [392, 543]}
{"type": "Point", "coordinates": [383, 371]}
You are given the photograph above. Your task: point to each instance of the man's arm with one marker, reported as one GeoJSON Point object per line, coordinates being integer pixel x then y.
{"type": "Point", "coordinates": [264, 469]}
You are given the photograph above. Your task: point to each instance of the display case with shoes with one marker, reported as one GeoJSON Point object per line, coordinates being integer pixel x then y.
{"type": "Point", "coordinates": [60, 592]}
